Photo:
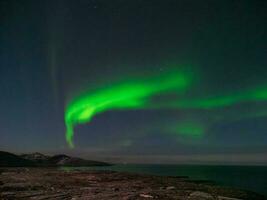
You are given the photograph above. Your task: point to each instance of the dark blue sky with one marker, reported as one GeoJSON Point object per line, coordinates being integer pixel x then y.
{"type": "Point", "coordinates": [50, 51]}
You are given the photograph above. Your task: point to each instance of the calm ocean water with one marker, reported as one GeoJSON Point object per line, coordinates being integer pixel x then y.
{"type": "Point", "coordinates": [252, 178]}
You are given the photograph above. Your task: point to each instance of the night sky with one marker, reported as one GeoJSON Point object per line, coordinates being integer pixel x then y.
{"type": "Point", "coordinates": [53, 53]}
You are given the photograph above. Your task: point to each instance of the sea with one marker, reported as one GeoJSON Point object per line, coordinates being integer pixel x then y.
{"type": "Point", "coordinates": [253, 178]}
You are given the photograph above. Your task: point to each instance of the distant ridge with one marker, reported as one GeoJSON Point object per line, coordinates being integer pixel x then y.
{"type": "Point", "coordinates": [34, 156]}
{"type": "Point", "coordinates": [39, 160]}
{"type": "Point", "coordinates": [12, 160]}
{"type": "Point", "coordinates": [64, 160]}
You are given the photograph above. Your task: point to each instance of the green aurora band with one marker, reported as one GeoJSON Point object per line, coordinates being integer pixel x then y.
{"type": "Point", "coordinates": [257, 94]}
{"type": "Point", "coordinates": [138, 94]}
{"type": "Point", "coordinates": [128, 95]}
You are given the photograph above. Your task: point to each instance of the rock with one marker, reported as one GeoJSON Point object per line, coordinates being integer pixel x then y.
{"type": "Point", "coordinates": [146, 196]}
{"type": "Point", "coordinates": [15, 187]}
{"type": "Point", "coordinates": [170, 188]}
{"type": "Point", "coordinates": [7, 194]}
{"type": "Point", "coordinates": [85, 188]}
{"type": "Point", "coordinates": [227, 198]}
{"type": "Point", "coordinates": [200, 196]}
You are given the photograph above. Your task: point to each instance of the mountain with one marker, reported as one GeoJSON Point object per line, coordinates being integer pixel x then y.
{"type": "Point", "coordinates": [12, 160]}
{"type": "Point", "coordinates": [60, 160]}
{"type": "Point", "coordinates": [40, 160]}
{"type": "Point", "coordinates": [64, 160]}
{"type": "Point", "coordinates": [36, 157]}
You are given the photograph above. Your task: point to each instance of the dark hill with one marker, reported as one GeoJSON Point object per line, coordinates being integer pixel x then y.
{"type": "Point", "coordinates": [12, 160]}
{"type": "Point", "coordinates": [40, 160]}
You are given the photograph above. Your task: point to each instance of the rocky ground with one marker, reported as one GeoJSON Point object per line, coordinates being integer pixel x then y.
{"type": "Point", "coordinates": [46, 184]}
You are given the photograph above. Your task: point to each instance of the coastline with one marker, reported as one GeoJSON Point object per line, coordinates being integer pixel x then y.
{"type": "Point", "coordinates": [51, 183]}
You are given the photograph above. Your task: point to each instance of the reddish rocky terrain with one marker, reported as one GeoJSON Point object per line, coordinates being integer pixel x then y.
{"type": "Point", "coordinates": [45, 183]}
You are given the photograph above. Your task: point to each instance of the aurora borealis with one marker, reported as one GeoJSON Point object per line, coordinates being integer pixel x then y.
{"type": "Point", "coordinates": [136, 96]}
{"type": "Point", "coordinates": [258, 94]}
{"type": "Point", "coordinates": [124, 96]}
{"type": "Point", "coordinates": [135, 81]}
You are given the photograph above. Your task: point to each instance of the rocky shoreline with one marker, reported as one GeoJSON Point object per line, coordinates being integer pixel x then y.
{"type": "Point", "coordinates": [54, 184]}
